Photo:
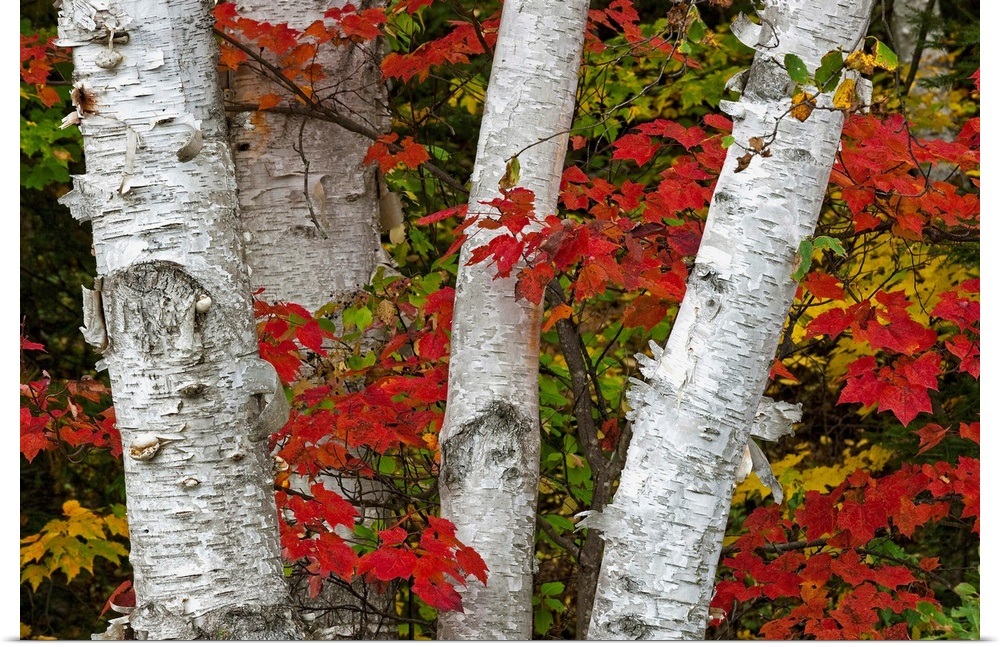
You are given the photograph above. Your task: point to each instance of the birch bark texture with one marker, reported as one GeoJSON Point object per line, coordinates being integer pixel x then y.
{"type": "Point", "coordinates": [192, 397]}
{"type": "Point", "coordinates": [490, 438]}
{"type": "Point", "coordinates": [310, 212]}
{"type": "Point", "coordinates": [309, 204]}
{"type": "Point", "coordinates": [692, 416]}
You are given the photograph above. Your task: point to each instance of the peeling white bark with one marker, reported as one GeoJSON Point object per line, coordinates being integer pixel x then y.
{"type": "Point", "coordinates": [181, 350]}
{"type": "Point", "coordinates": [309, 205]}
{"type": "Point", "coordinates": [692, 416]}
{"type": "Point", "coordinates": [490, 440]}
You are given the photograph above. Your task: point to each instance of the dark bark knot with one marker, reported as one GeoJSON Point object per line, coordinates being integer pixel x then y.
{"type": "Point", "coordinates": [631, 626]}
{"type": "Point", "coordinates": [155, 311]}
{"type": "Point", "coordinates": [495, 439]}
{"type": "Point", "coordinates": [710, 289]}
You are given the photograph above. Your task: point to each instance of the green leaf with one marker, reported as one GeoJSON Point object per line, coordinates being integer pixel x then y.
{"type": "Point", "coordinates": [552, 588]}
{"type": "Point", "coordinates": [805, 259]}
{"type": "Point", "coordinates": [359, 317]}
{"type": "Point", "coordinates": [797, 70]}
{"type": "Point", "coordinates": [512, 175]}
{"type": "Point", "coordinates": [727, 141]}
{"type": "Point", "coordinates": [885, 57]}
{"type": "Point", "coordinates": [387, 465]}
{"type": "Point", "coordinates": [543, 620]}
{"type": "Point", "coordinates": [826, 242]}
{"type": "Point", "coordinates": [828, 74]}
{"type": "Point", "coordinates": [558, 522]}
{"type": "Point", "coordinates": [696, 31]}
{"type": "Point", "coordinates": [961, 589]}
{"type": "Point", "coordinates": [555, 605]}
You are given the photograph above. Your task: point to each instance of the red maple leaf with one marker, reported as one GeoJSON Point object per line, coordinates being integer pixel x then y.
{"type": "Point", "coordinates": [636, 147]}
{"type": "Point", "coordinates": [930, 435]}
{"type": "Point", "coordinates": [388, 563]}
{"type": "Point", "coordinates": [901, 388]}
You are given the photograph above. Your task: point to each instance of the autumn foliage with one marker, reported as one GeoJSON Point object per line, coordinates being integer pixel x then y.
{"type": "Point", "coordinates": [878, 536]}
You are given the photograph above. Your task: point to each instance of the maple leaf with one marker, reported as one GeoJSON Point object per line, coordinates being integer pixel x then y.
{"type": "Point", "coordinates": [335, 510]}
{"type": "Point", "coordinates": [636, 147]}
{"type": "Point", "coordinates": [531, 282]}
{"type": "Point", "coordinates": [824, 286]}
{"type": "Point", "coordinates": [686, 137]}
{"type": "Point", "coordinates": [930, 435]}
{"type": "Point", "coordinates": [901, 388]}
{"type": "Point", "coordinates": [969, 431]}
{"type": "Point", "coordinates": [438, 216]}
{"type": "Point", "coordinates": [559, 312]}
{"type": "Point", "coordinates": [284, 357]}
{"type": "Point", "coordinates": [33, 438]}
{"type": "Point", "coordinates": [646, 311]}
{"type": "Point", "coordinates": [438, 593]}
{"type": "Point", "coordinates": [591, 281]}
{"type": "Point", "coordinates": [778, 369]}
{"type": "Point", "coordinates": [334, 555]}
{"type": "Point", "coordinates": [388, 563]}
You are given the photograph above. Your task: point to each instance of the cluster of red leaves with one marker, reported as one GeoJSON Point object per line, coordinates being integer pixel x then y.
{"type": "Point", "coordinates": [310, 536]}
{"type": "Point", "coordinates": [389, 153]}
{"type": "Point", "coordinates": [633, 236]}
{"type": "Point", "coordinates": [822, 566]}
{"type": "Point", "coordinates": [434, 556]}
{"type": "Point", "coordinates": [464, 39]}
{"type": "Point", "coordinates": [284, 328]}
{"type": "Point", "coordinates": [37, 62]}
{"type": "Point", "coordinates": [295, 50]}
{"type": "Point", "coordinates": [911, 367]}
{"type": "Point", "coordinates": [334, 431]}
{"type": "Point", "coordinates": [54, 417]}
{"type": "Point", "coordinates": [882, 173]}
{"type": "Point", "coordinates": [621, 17]}
{"type": "Point", "coordinates": [883, 179]}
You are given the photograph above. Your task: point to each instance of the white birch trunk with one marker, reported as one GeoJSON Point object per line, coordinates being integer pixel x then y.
{"type": "Point", "coordinates": [490, 440]}
{"type": "Point", "coordinates": [189, 387]}
{"type": "Point", "coordinates": [309, 205]}
{"type": "Point", "coordinates": [310, 210]}
{"type": "Point", "coordinates": [692, 417]}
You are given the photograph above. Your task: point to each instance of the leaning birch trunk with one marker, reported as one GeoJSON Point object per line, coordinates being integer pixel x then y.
{"type": "Point", "coordinates": [310, 209]}
{"type": "Point", "coordinates": [692, 417]}
{"type": "Point", "coordinates": [490, 440]}
{"type": "Point", "coordinates": [309, 204]}
{"type": "Point", "coordinates": [189, 387]}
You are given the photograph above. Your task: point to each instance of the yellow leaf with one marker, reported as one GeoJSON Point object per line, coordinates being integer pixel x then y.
{"type": "Point", "coordinates": [116, 525]}
{"type": "Point", "coordinates": [864, 63]}
{"type": "Point", "coordinates": [802, 105]}
{"type": "Point", "coordinates": [34, 575]}
{"type": "Point", "coordinates": [844, 97]}
{"type": "Point", "coordinates": [33, 552]}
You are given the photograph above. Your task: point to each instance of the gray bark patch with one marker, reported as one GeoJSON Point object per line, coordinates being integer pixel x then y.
{"type": "Point", "coordinates": [495, 439]}
{"type": "Point", "coordinates": [152, 311]}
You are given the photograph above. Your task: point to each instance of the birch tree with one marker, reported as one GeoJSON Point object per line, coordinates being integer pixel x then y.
{"type": "Point", "coordinates": [171, 310]}
{"type": "Point", "coordinates": [693, 415]}
{"type": "Point", "coordinates": [310, 205]}
{"type": "Point", "coordinates": [310, 212]}
{"type": "Point", "coordinates": [490, 438]}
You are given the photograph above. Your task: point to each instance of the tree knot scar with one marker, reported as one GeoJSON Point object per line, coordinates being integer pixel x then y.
{"type": "Point", "coordinates": [494, 440]}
